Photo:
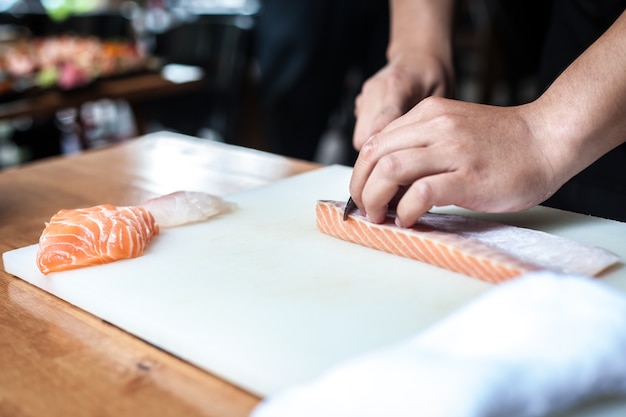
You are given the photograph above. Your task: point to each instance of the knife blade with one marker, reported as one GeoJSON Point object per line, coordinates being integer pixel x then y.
{"type": "Point", "coordinates": [350, 206]}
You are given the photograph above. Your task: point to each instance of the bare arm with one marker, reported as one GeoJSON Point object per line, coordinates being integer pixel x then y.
{"type": "Point", "coordinates": [419, 64]}
{"type": "Point", "coordinates": [498, 159]}
{"type": "Point", "coordinates": [583, 113]}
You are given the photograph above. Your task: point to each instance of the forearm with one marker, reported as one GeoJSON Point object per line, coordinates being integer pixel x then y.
{"type": "Point", "coordinates": [582, 115]}
{"type": "Point", "coordinates": [421, 25]}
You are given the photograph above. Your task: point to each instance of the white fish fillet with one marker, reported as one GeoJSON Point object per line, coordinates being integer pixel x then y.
{"type": "Point", "coordinates": [184, 207]}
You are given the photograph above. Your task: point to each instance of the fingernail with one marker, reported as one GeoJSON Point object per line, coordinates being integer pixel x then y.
{"type": "Point", "coordinates": [398, 222]}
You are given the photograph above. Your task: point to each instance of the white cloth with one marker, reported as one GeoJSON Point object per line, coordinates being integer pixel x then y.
{"type": "Point", "coordinates": [535, 345]}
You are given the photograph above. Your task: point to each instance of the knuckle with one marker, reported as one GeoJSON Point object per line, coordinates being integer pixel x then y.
{"type": "Point", "coordinates": [394, 81]}
{"type": "Point", "coordinates": [369, 150]}
{"type": "Point", "coordinates": [358, 103]}
{"type": "Point", "coordinates": [449, 123]}
{"type": "Point", "coordinates": [459, 149]}
{"type": "Point", "coordinates": [369, 86]}
{"type": "Point", "coordinates": [432, 104]}
{"type": "Point", "coordinates": [422, 193]}
{"type": "Point", "coordinates": [391, 166]}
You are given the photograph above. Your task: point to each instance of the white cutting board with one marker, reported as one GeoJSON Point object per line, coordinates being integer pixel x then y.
{"type": "Point", "coordinates": [264, 300]}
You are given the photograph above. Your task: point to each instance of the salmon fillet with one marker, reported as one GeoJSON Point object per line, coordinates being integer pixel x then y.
{"type": "Point", "coordinates": [95, 235]}
{"type": "Point", "coordinates": [489, 251]}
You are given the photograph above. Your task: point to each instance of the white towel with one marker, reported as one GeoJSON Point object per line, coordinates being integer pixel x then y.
{"type": "Point", "coordinates": [530, 347]}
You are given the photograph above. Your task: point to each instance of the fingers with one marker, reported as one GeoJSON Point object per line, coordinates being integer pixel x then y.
{"type": "Point", "coordinates": [397, 136]}
{"type": "Point", "coordinates": [446, 152]}
{"type": "Point", "coordinates": [384, 98]}
{"type": "Point", "coordinates": [377, 180]}
{"type": "Point", "coordinates": [425, 193]}
{"type": "Point", "coordinates": [369, 158]}
{"type": "Point", "coordinates": [412, 189]}
{"type": "Point", "coordinates": [406, 162]}
{"type": "Point", "coordinates": [370, 121]}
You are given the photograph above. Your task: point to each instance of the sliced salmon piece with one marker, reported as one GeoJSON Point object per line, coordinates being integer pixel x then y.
{"type": "Point", "coordinates": [489, 251]}
{"type": "Point", "coordinates": [95, 235]}
{"type": "Point", "coordinates": [106, 233]}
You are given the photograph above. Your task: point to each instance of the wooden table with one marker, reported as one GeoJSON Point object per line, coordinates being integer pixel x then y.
{"type": "Point", "coordinates": [57, 360]}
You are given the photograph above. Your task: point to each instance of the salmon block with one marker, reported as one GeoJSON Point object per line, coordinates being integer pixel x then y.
{"type": "Point", "coordinates": [95, 235]}
{"type": "Point", "coordinates": [489, 251]}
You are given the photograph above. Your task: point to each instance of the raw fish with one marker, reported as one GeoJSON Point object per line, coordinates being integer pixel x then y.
{"type": "Point", "coordinates": [106, 233]}
{"type": "Point", "coordinates": [490, 251]}
{"type": "Point", "coordinates": [95, 235]}
{"type": "Point", "coordinates": [184, 207]}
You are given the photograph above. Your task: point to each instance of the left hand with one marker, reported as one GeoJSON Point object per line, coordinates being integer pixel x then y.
{"type": "Point", "coordinates": [396, 88]}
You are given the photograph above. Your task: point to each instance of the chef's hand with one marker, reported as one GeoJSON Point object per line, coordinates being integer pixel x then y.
{"type": "Point", "coordinates": [497, 159]}
{"type": "Point", "coordinates": [396, 88]}
{"type": "Point", "coordinates": [445, 152]}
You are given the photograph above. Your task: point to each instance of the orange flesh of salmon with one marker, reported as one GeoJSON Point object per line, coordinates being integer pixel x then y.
{"type": "Point", "coordinates": [95, 235]}
{"type": "Point", "coordinates": [485, 250]}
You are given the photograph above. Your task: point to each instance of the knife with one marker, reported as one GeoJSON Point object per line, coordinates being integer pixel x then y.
{"type": "Point", "coordinates": [350, 206]}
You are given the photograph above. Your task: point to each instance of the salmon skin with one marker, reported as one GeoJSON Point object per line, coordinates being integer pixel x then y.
{"type": "Point", "coordinates": [95, 235]}
{"type": "Point", "coordinates": [489, 251]}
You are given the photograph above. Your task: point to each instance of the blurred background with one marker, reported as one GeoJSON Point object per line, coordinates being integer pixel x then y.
{"type": "Point", "coordinates": [273, 75]}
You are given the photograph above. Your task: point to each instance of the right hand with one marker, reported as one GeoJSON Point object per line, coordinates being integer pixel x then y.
{"type": "Point", "coordinates": [448, 152]}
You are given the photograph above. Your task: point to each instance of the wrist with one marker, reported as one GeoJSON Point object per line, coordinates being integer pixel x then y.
{"type": "Point", "coordinates": [559, 141]}
{"type": "Point", "coordinates": [421, 26]}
